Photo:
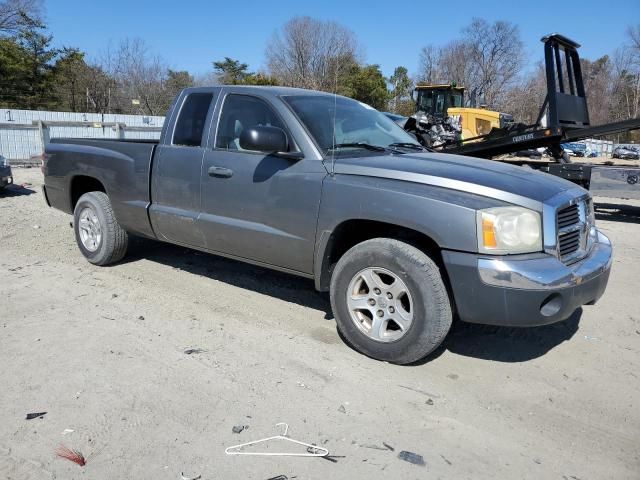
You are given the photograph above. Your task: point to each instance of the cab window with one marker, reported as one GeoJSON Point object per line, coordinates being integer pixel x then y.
{"type": "Point", "coordinates": [240, 112]}
{"type": "Point", "coordinates": [191, 120]}
{"type": "Point", "coordinates": [439, 103]}
{"type": "Point", "coordinates": [456, 100]}
{"type": "Point", "coordinates": [426, 101]}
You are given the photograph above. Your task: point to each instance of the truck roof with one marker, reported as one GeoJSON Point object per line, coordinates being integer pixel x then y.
{"type": "Point", "coordinates": [261, 89]}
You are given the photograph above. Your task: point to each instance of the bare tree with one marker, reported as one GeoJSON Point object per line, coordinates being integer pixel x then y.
{"type": "Point", "coordinates": [101, 91]}
{"type": "Point", "coordinates": [311, 53]}
{"type": "Point", "coordinates": [428, 69]}
{"type": "Point", "coordinates": [599, 84]}
{"type": "Point", "coordinates": [18, 14]}
{"type": "Point", "coordinates": [625, 77]}
{"type": "Point", "coordinates": [524, 99]}
{"type": "Point", "coordinates": [496, 56]}
{"type": "Point", "coordinates": [207, 79]}
{"type": "Point", "coordinates": [486, 60]}
{"type": "Point", "coordinates": [139, 78]}
{"type": "Point", "coordinates": [455, 65]}
{"type": "Point", "coordinates": [633, 35]}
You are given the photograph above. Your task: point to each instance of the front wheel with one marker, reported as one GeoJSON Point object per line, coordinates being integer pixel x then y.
{"type": "Point", "coordinates": [390, 301]}
{"type": "Point", "coordinates": [100, 238]}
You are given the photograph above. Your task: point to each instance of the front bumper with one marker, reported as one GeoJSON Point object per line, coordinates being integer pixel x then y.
{"type": "Point", "coordinates": [526, 290]}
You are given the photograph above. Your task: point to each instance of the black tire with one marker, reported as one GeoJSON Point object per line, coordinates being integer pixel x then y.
{"type": "Point", "coordinates": [432, 313]}
{"type": "Point", "coordinates": [112, 246]}
{"type": "Point", "coordinates": [564, 158]}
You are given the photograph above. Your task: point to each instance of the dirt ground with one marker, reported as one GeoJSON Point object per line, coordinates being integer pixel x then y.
{"type": "Point", "coordinates": [102, 351]}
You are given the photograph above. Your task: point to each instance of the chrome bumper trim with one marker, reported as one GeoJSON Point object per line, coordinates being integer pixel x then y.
{"type": "Point", "coordinates": [547, 273]}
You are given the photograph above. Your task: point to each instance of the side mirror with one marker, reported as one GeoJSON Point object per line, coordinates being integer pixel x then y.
{"type": "Point", "coordinates": [263, 138]}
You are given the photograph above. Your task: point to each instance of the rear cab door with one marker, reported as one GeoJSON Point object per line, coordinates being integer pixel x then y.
{"type": "Point", "coordinates": [177, 166]}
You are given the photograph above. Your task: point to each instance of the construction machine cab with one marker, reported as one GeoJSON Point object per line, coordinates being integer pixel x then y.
{"type": "Point", "coordinates": [437, 99]}
{"type": "Point", "coordinates": [444, 103]}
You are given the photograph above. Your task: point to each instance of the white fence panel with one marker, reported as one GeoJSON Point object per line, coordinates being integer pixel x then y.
{"type": "Point", "coordinates": [20, 144]}
{"type": "Point", "coordinates": [22, 131]}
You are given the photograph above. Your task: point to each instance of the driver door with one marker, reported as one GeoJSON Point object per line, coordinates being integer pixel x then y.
{"type": "Point", "coordinates": [256, 205]}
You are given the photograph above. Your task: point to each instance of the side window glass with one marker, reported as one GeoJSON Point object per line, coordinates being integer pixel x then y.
{"type": "Point", "coordinates": [426, 101]}
{"type": "Point", "coordinates": [190, 123]}
{"type": "Point", "coordinates": [240, 112]}
{"type": "Point", "coordinates": [440, 103]}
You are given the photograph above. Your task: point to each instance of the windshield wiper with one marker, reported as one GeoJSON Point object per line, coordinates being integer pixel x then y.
{"type": "Point", "coordinates": [413, 146]}
{"type": "Point", "coordinates": [366, 146]}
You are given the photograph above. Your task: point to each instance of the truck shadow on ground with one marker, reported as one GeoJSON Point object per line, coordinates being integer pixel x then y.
{"type": "Point", "coordinates": [16, 191]}
{"type": "Point", "coordinates": [502, 344]}
{"type": "Point", "coordinates": [508, 344]}
{"type": "Point", "coordinates": [243, 275]}
{"type": "Point", "coordinates": [615, 212]}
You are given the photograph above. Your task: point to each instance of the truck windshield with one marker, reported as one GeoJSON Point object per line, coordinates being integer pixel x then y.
{"type": "Point", "coordinates": [339, 122]}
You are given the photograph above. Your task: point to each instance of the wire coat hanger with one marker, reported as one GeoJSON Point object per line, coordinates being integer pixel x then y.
{"type": "Point", "coordinates": [320, 451]}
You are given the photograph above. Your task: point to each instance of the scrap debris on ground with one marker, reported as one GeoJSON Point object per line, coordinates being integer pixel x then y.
{"type": "Point", "coordinates": [411, 458]}
{"type": "Point", "coordinates": [72, 455]}
{"type": "Point", "coordinates": [31, 416]}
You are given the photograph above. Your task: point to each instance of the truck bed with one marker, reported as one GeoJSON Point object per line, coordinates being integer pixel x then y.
{"type": "Point", "coordinates": [122, 166]}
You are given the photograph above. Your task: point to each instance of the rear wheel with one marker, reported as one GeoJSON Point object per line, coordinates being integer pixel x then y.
{"type": "Point", "coordinates": [390, 301]}
{"type": "Point", "coordinates": [100, 238]}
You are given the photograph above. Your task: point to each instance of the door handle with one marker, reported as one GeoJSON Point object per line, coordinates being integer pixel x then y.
{"type": "Point", "coordinates": [220, 172]}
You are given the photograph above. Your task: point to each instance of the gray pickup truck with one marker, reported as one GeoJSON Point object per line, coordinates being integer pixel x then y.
{"type": "Point", "coordinates": [328, 188]}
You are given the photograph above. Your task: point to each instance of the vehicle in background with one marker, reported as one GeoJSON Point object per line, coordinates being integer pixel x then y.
{"type": "Point", "coordinates": [625, 153]}
{"type": "Point", "coordinates": [328, 188]}
{"type": "Point", "coordinates": [6, 176]}
{"type": "Point", "coordinates": [532, 153]}
{"type": "Point", "coordinates": [580, 150]}
{"type": "Point", "coordinates": [575, 149]}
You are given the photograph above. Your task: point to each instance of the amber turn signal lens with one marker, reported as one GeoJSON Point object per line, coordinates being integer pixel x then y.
{"type": "Point", "coordinates": [488, 234]}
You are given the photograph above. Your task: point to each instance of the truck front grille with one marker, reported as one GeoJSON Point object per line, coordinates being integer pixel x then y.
{"type": "Point", "coordinates": [568, 216]}
{"type": "Point", "coordinates": [569, 243]}
{"type": "Point", "coordinates": [572, 231]}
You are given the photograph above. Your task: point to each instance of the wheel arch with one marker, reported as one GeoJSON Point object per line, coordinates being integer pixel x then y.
{"type": "Point", "coordinates": [81, 184]}
{"type": "Point", "coordinates": [333, 244]}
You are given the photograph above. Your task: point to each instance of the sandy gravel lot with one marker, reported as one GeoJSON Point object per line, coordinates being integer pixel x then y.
{"type": "Point", "coordinates": [101, 350]}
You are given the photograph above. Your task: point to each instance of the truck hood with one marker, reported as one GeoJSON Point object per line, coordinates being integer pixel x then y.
{"type": "Point", "coordinates": [513, 184]}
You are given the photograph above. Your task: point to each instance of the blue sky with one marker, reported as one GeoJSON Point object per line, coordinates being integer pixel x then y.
{"type": "Point", "coordinates": [191, 34]}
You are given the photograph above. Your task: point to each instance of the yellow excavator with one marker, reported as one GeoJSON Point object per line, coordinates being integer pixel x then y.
{"type": "Point", "coordinates": [436, 103]}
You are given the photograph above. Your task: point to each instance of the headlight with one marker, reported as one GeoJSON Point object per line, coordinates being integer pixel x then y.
{"type": "Point", "coordinates": [504, 230]}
